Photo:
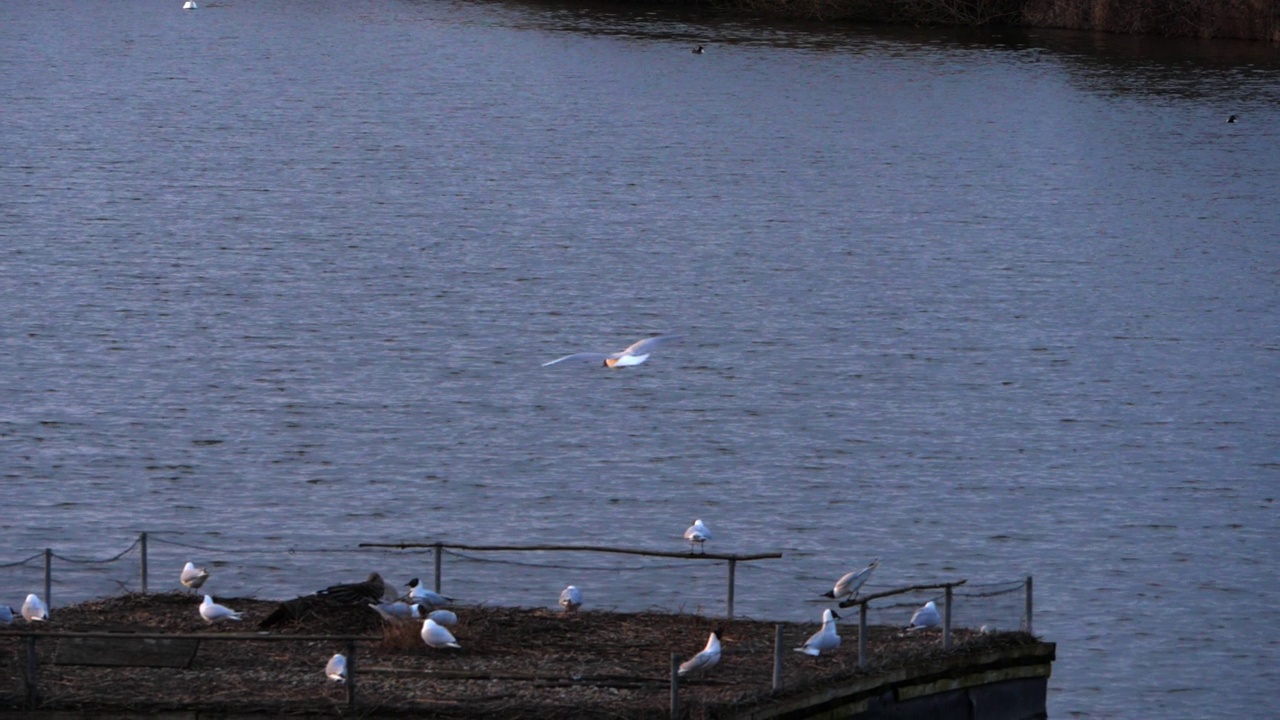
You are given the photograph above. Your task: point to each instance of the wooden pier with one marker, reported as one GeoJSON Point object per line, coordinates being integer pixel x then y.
{"type": "Point", "coordinates": [140, 655]}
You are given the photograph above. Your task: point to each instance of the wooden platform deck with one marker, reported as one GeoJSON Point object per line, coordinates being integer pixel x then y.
{"type": "Point", "coordinates": [514, 663]}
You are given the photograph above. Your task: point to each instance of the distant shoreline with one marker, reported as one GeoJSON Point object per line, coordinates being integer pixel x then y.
{"type": "Point", "coordinates": [1220, 19]}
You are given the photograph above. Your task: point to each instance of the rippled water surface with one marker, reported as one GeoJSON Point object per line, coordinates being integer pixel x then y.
{"type": "Point", "coordinates": [282, 275]}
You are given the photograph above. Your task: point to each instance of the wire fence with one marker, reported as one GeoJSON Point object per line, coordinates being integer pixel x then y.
{"type": "Point", "coordinates": [990, 606]}
{"type": "Point", "coordinates": [699, 580]}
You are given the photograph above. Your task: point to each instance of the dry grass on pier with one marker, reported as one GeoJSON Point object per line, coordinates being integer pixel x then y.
{"type": "Point", "coordinates": [515, 662]}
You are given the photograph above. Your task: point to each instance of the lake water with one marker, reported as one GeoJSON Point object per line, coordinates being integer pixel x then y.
{"type": "Point", "coordinates": [281, 276]}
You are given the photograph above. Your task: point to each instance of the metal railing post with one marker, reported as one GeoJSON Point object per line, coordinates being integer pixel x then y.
{"type": "Point", "coordinates": [351, 673]}
{"type": "Point", "coordinates": [48, 578]}
{"type": "Point", "coordinates": [777, 658]}
{"type": "Point", "coordinates": [862, 634]}
{"type": "Point", "coordinates": [33, 689]}
{"type": "Point", "coordinates": [439, 558]}
{"type": "Point", "coordinates": [733, 567]}
{"type": "Point", "coordinates": [675, 686]}
{"type": "Point", "coordinates": [142, 543]}
{"type": "Point", "coordinates": [946, 619]}
{"type": "Point", "coordinates": [1028, 608]}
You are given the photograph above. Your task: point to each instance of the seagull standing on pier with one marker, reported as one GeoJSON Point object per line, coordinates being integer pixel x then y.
{"type": "Point", "coordinates": [447, 618]}
{"type": "Point", "coordinates": [34, 609]}
{"type": "Point", "coordinates": [437, 636]}
{"type": "Point", "coordinates": [570, 599]}
{"type": "Point", "coordinates": [6, 615]}
{"type": "Point", "coordinates": [824, 639]}
{"type": "Point", "coordinates": [398, 610]}
{"type": "Point", "coordinates": [192, 577]}
{"type": "Point", "coordinates": [925, 617]}
{"type": "Point", "coordinates": [212, 612]}
{"type": "Point", "coordinates": [421, 595]}
{"type": "Point", "coordinates": [849, 585]}
{"type": "Point", "coordinates": [704, 660]}
{"type": "Point", "coordinates": [336, 669]}
{"type": "Point", "coordinates": [697, 534]}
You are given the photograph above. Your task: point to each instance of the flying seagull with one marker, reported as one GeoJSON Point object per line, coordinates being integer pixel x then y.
{"type": "Point", "coordinates": [634, 355]}
{"type": "Point", "coordinates": [704, 660]}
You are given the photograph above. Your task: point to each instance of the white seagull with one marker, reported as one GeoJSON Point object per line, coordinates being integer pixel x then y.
{"type": "Point", "coordinates": [570, 598]}
{"type": "Point", "coordinates": [336, 668]}
{"type": "Point", "coordinates": [634, 355]}
{"type": "Point", "coordinates": [697, 533]}
{"type": "Point", "coordinates": [6, 614]}
{"type": "Point", "coordinates": [925, 617]}
{"type": "Point", "coordinates": [418, 593]}
{"type": "Point", "coordinates": [398, 610]}
{"type": "Point", "coordinates": [437, 636]}
{"type": "Point", "coordinates": [193, 577]}
{"type": "Point", "coordinates": [448, 618]}
{"type": "Point", "coordinates": [212, 612]}
{"type": "Point", "coordinates": [704, 660]}
{"type": "Point", "coordinates": [849, 585]}
{"type": "Point", "coordinates": [824, 639]}
{"type": "Point", "coordinates": [34, 610]}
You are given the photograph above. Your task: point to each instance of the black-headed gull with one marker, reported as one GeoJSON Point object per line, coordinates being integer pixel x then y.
{"type": "Point", "coordinates": [418, 593]}
{"type": "Point", "coordinates": [824, 639]}
{"type": "Point", "coordinates": [34, 609]}
{"type": "Point", "coordinates": [6, 614]}
{"type": "Point", "coordinates": [704, 660]}
{"type": "Point", "coordinates": [697, 534]}
{"type": "Point", "coordinates": [849, 585]}
{"type": "Point", "coordinates": [437, 636]}
{"type": "Point", "coordinates": [336, 668]}
{"type": "Point", "coordinates": [634, 355]}
{"type": "Point", "coordinates": [925, 617]}
{"type": "Point", "coordinates": [212, 612]}
{"type": "Point", "coordinates": [193, 577]}
{"type": "Point", "coordinates": [570, 598]}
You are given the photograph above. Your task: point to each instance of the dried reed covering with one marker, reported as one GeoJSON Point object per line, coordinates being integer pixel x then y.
{"type": "Point", "coordinates": [514, 663]}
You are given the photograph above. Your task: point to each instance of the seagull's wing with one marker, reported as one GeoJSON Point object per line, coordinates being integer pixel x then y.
{"type": "Point", "coordinates": [648, 344]}
{"type": "Point", "coordinates": [583, 357]}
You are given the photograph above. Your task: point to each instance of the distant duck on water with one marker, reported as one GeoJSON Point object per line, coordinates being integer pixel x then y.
{"type": "Point", "coordinates": [1232, 119]}
{"type": "Point", "coordinates": [697, 50]}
